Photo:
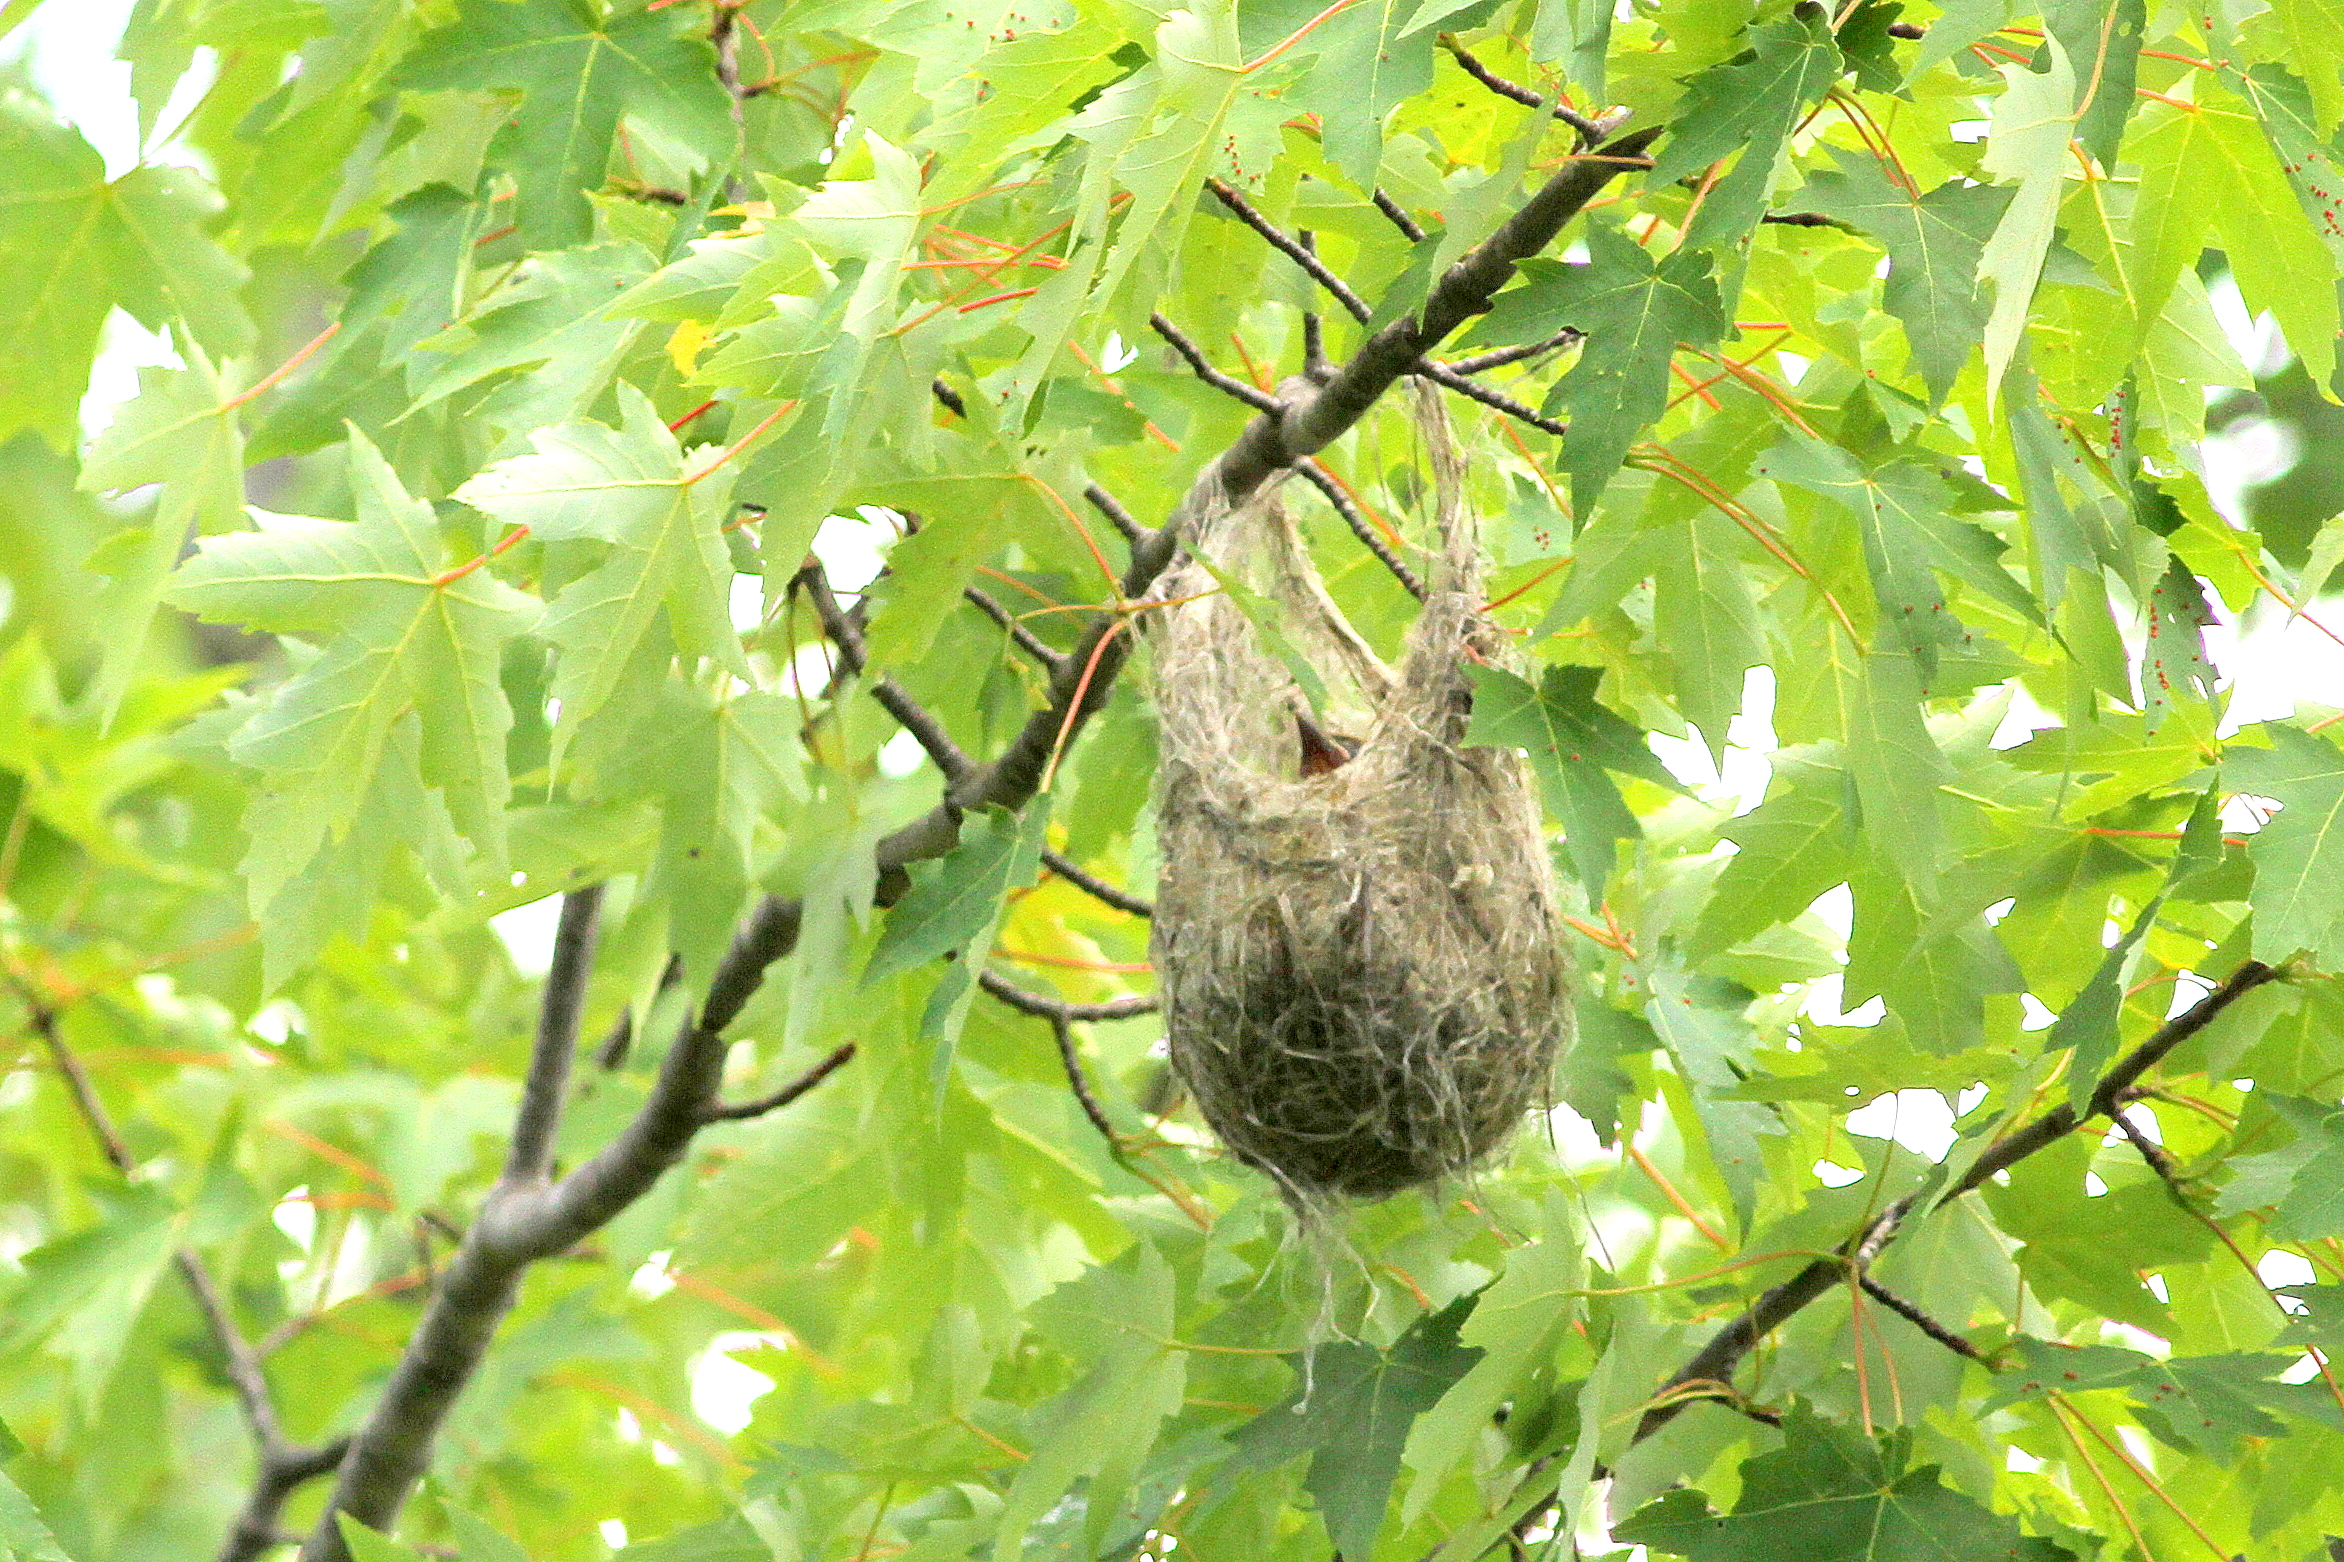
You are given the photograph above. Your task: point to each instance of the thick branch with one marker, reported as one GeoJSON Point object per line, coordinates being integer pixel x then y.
{"type": "Point", "coordinates": [518, 1225]}
{"type": "Point", "coordinates": [530, 1157]}
{"type": "Point", "coordinates": [1715, 1362]}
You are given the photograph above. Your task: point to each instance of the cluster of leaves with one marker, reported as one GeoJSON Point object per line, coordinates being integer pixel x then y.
{"type": "Point", "coordinates": [1881, 376]}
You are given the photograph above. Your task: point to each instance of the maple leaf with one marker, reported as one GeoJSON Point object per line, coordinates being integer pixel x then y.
{"type": "Point", "coordinates": [577, 74]}
{"type": "Point", "coordinates": [405, 675]}
{"type": "Point", "coordinates": [628, 487]}
{"type": "Point", "coordinates": [75, 245]}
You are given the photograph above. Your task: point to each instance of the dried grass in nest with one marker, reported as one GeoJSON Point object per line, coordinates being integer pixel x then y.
{"type": "Point", "coordinates": [1362, 979]}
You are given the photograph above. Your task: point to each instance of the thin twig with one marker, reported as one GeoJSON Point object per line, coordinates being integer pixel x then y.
{"type": "Point", "coordinates": [1019, 635]}
{"type": "Point", "coordinates": [1227, 385]}
{"type": "Point", "coordinates": [1399, 218]}
{"type": "Point", "coordinates": [1063, 1017]}
{"type": "Point", "coordinates": [1715, 1361]}
{"type": "Point", "coordinates": [1912, 1313]}
{"type": "Point", "coordinates": [1442, 374]}
{"type": "Point", "coordinates": [1589, 130]}
{"type": "Point", "coordinates": [283, 1465]}
{"type": "Point", "coordinates": [1043, 1008]}
{"type": "Point", "coordinates": [1293, 250]}
{"type": "Point", "coordinates": [1499, 357]}
{"type": "Point", "coordinates": [2159, 1159]}
{"type": "Point", "coordinates": [1079, 1084]}
{"type": "Point", "coordinates": [909, 713]}
{"type": "Point", "coordinates": [1317, 477]}
{"type": "Point", "coordinates": [735, 1111]}
{"type": "Point", "coordinates": [1094, 886]}
{"type": "Point", "coordinates": [545, 1089]}
{"type": "Point", "coordinates": [1107, 504]}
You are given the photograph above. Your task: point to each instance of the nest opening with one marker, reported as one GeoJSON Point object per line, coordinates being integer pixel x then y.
{"type": "Point", "coordinates": [1363, 984]}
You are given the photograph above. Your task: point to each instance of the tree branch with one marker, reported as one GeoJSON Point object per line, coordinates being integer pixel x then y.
{"type": "Point", "coordinates": [518, 1225]}
{"type": "Point", "coordinates": [1499, 357]}
{"type": "Point", "coordinates": [1094, 886]}
{"type": "Point", "coordinates": [1201, 367]}
{"type": "Point", "coordinates": [1913, 1314]}
{"type": "Point", "coordinates": [1019, 635]}
{"type": "Point", "coordinates": [909, 713]}
{"type": "Point", "coordinates": [1043, 1008]}
{"type": "Point", "coordinates": [1399, 218]}
{"type": "Point", "coordinates": [1317, 476]}
{"type": "Point", "coordinates": [1590, 131]}
{"type": "Point", "coordinates": [1106, 504]}
{"type": "Point", "coordinates": [1715, 1361]}
{"type": "Point", "coordinates": [1474, 390]}
{"type": "Point", "coordinates": [1293, 250]}
{"type": "Point", "coordinates": [1062, 1017]}
{"type": "Point", "coordinates": [283, 1465]}
{"type": "Point", "coordinates": [733, 1112]}
{"type": "Point", "coordinates": [529, 1158]}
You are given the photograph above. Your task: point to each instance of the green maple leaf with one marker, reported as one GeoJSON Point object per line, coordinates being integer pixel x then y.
{"type": "Point", "coordinates": [2303, 1183]}
{"type": "Point", "coordinates": [2300, 851]}
{"type": "Point", "coordinates": [1352, 1415]}
{"type": "Point", "coordinates": [180, 433]}
{"type": "Point", "coordinates": [628, 487]}
{"type": "Point", "coordinates": [955, 906]}
{"type": "Point", "coordinates": [1634, 311]}
{"type": "Point", "coordinates": [716, 766]}
{"type": "Point", "coordinates": [1371, 61]}
{"type": "Point", "coordinates": [2206, 1404]}
{"type": "Point", "coordinates": [75, 245]}
{"type": "Point", "coordinates": [1748, 103]}
{"type": "Point", "coordinates": [549, 321]}
{"type": "Point", "coordinates": [1830, 1494]}
{"type": "Point", "coordinates": [1904, 514]}
{"type": "Point", "coordinates": [407, 678]}
{"type": "Point", "coordinates": [578, 72]}
{"type": "Point", "coordinates": [1572, 741]}
{"type": "Point", "coordinates": [1790, 849]}
{"type": "Point", "coordinates": [1933, 245]}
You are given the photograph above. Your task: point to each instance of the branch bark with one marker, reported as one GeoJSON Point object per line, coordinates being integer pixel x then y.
{"type": "Point", "coordinates": [283, 1465]}
{"type": "Point", "coordinates": [521, 1222]}
{"type": "Point", "coordinates": [1715, 1361]}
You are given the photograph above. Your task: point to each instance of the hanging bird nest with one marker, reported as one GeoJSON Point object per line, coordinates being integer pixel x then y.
{"type": "Point", "coordinates": [1362, 979]}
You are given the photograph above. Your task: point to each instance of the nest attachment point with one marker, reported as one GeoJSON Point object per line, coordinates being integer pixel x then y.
{"type": "Point", "coordinates": [1362, 979]}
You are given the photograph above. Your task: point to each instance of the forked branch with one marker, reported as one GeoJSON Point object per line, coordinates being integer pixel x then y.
{"type": "Point", "coordinates": [522, 1222]}
{"type": "Point", "coordinates": [1715, 1362]}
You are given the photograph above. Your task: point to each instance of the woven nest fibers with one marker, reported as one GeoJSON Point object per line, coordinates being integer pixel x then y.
{"type": "Point", "coordinates": [1362, 980]}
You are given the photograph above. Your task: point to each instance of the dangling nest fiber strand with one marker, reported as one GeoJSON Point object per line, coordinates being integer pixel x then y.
{"type": "Point", "coordinates": [1361, 973]}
